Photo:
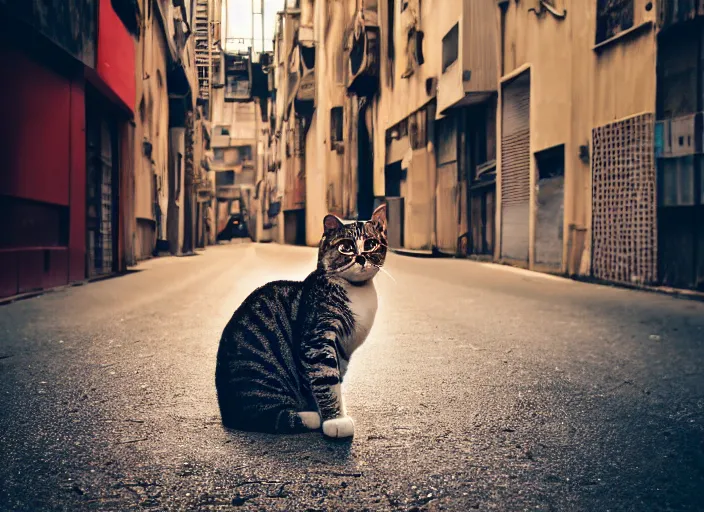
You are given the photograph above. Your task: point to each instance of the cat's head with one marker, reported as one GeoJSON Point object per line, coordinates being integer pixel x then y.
{"type": "Point", "coordinates": [353, 250]}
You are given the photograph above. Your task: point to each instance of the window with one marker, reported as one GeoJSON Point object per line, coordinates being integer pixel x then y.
{"type": "Point", "coordinates": [612, 17]}
{"type": "Point", "coordinates": [336, 119]}
{"type": "Point", "coordinates": [245, 153]}
{"type": "Point", "coordinates": [446, 142]}
{"type": "Point", "coordinates": [224, 178]}
{"type": "Point", "coordinates": [450, 47]}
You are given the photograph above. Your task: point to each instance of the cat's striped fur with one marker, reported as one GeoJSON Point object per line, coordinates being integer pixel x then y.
{"type": "Point", "coordinates": [283, 354]}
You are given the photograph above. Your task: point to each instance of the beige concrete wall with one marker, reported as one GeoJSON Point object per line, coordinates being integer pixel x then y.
{"type": "Point", "coordinates": [315, 182]}
{"type": "Point", "coordinates": [176, 205]}
{"type": "Point", "coordinates": [151, 125]}
{"type": "Point", "coordinates": [399, 98]}
{"type": "Point", "coordinates": [330, 74]}
{"type": "Point", "coordinates": [575, 87]}
{"type": "Point", "coordinates": [476, 53]}
{"type": "Point", "coordinates": [324, 166]}
{"type": "Point", "coordinates": [623, 84]}
{"type": "Point", "coordinates": [412, 90]}
{"type": "Point", "coordinates": [419, 215]}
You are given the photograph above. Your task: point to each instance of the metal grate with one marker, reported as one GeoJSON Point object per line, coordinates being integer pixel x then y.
{"type": "Point", "coordinates": [103, 258]}
{"type": "Point", "coordinates": [623, 201]}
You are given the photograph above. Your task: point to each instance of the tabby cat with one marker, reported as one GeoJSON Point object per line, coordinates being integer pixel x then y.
{"type": "Point", "coordinates": [284, 352]}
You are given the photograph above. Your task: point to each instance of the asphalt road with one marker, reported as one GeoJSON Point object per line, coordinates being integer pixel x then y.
{"type": "Point", "coordinates": [480, 388]}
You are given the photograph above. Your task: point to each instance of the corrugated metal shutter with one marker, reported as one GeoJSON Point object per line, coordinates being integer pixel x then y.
{"type": "Point", "coordinates": [515, 169]}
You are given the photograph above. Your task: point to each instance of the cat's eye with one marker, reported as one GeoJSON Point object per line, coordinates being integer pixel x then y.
{"type": "Point", "coordinates": [370, 245]}
{"type": "Point", "coordinates": [346, 248]}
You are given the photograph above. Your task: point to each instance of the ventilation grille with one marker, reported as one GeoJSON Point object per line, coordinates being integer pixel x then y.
{"type": "Point", "coordinates": [623, 196]}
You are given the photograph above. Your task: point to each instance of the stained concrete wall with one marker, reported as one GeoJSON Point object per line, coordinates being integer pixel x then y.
{"type": "Point", "coordinates": [177, 155]}
{"type": "Point", "coordinates": [324, 166]}
{"type": "Point", "coordinates": [72, 25]}
{"type": "Point", "coordinates": [575, 87]}
{"type": "Point", "coordinates": [151, 126]}
{"type": "Point", "coordinates": [416, 91]}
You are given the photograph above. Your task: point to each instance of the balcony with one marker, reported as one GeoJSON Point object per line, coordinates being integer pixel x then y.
{"type": "Point", "coordinates": [469, 64]}
{"type": "Point", "coordinates": [301, 75]}
{"type": "Point", "coordinates": [238, 77]}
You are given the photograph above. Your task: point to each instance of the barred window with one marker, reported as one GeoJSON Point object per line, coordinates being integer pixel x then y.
{"type": "Point", "coordinates": [613, 17]}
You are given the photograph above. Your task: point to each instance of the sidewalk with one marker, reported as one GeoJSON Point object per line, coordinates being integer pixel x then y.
{"type": "Point", "coordinates": [666, 290]}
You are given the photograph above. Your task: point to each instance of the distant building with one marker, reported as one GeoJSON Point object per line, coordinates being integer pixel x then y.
{"type": "Point", "coordinates": [244, 184]}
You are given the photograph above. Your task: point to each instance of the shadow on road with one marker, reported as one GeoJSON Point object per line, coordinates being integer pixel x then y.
{"type": "Point", "coordinates": [305, 450]}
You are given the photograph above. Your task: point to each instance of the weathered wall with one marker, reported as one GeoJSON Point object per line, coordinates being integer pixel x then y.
{"type": "Point", "coordinates": [324, 166]}
{"type": "Point", "coordinates": [70, 24]}
{"type": "Point", "coordinates": [315, 181]}
{"type": "Point", "coordinates": [477, 54]}
{"type": "Point", "coordinates": [413, 89]}
{"type": "Point", "coordinates": [576, 86]}
{"type": "Point", "coordinates": [152, 125]}
{"type": "Point", "coordinates": [177, 152]}
{"type": "Point", "coordinates": [399, 98]}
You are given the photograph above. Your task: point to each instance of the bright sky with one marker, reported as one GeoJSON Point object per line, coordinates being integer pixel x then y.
{"type": "Point", "coordinates": [237, 23]}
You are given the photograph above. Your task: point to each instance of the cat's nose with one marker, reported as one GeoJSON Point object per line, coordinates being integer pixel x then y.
{"type": "Point", "coordinates": [361, 260]}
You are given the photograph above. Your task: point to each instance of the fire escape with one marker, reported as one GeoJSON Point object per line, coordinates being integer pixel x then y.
{"type": "Point", "coordinates": [207, 37]}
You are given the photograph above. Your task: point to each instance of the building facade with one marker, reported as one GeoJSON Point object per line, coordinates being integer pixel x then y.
{"type": "Point", "coordinates": [105, 141]}
{"type": "Point", "coordinates": [244, 182]}
{"type": "Point", "coordinates": [554, 135]}
{"type": "Point", "coordinates": [679, 144]}
{"type": "Point", "coordinates": [71, 91]}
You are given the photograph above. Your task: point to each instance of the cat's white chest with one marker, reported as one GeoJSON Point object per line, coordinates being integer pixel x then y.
{"type": "Point", "coordinates": [363, 303]}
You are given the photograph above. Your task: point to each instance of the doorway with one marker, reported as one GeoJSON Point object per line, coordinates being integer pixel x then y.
{"type": "Point", "coordinates": [550, 216]}
{"type": "Point", "coordinates": [101, 187]}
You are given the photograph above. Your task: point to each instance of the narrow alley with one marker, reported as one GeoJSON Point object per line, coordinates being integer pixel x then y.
{"type": "Point", "coordinates": [481, 387]}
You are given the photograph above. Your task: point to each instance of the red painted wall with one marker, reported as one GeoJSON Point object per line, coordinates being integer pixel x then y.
{"type": "Point", "coordinates": [34, 108]}
{"type": "Point", "coordinates": [116, 55]}
{"type": "Point", "coordinates": [42, 159]}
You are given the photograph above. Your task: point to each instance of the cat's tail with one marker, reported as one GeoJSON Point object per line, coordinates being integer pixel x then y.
{"type": "Point", "coordinates": [273, 420]}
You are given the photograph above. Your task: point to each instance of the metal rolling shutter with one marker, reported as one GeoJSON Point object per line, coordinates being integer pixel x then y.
{"type": "Point", "coordinates": [515, 169]}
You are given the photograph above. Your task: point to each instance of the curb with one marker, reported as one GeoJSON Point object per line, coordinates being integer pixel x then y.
{"type": "Point", "coordinates": [678, 293]}
{"type": "Point", "coordinates": [420, 254]}
{"type": "Point", "coordinates": [37, 293]}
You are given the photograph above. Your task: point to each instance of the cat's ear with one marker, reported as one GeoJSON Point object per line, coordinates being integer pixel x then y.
{"type": "Point", "coordinates": [379, 217]}
{"type": "Point", "coordinates": [331, 223]}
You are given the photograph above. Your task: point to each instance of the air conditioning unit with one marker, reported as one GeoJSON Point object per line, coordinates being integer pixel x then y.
{"type": "Point", "coordinates": [680, 136]}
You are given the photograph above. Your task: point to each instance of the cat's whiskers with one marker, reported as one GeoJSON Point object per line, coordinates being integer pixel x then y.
{"type": "Point", "coordinates": [386, 272]}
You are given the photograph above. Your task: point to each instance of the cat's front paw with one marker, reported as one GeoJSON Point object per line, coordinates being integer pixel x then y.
{"type": "Point", "coordinates": [339, 427]}
{"type": "Point", "coordinates": [310, 419]}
